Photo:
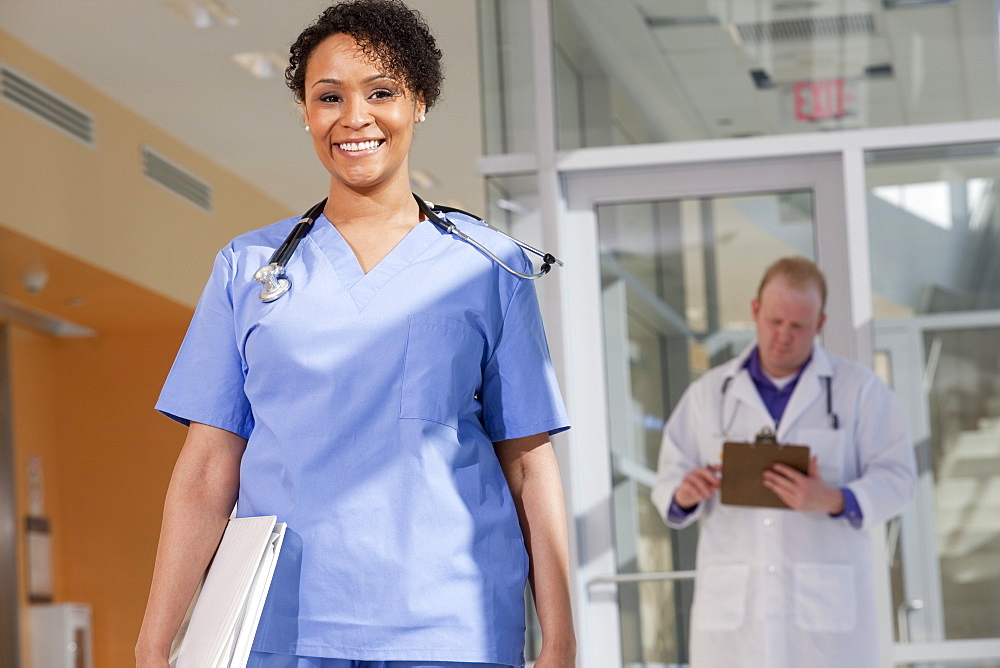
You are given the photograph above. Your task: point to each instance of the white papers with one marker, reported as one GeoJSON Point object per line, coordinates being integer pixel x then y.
{"type": "Point", "coordinates": [226, 611]}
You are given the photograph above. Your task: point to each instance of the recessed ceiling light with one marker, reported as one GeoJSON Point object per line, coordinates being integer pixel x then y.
{"type": "Point", "coordinates": [261, 64]}
{"type": "Point", "coordinates": [204, 13]}
{"type": "Point", "coordinates": [510, 205]}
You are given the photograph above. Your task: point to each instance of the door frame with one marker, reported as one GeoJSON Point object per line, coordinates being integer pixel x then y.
{"type": "Point", "coordinates": [847, 333]}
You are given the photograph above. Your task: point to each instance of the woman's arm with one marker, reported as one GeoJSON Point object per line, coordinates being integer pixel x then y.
{"type": "Point", "coordinates": [201, 495]}
{"type": "Point", "coordinates": [532, 473]}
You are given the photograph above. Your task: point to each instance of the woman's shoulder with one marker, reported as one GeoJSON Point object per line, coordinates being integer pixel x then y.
{"type": "Point", "coordinates": [491, 237]}
{"type": "Point", "coordinates": [262, 239]}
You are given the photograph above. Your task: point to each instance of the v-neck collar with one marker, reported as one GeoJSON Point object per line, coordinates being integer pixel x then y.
{"type": "Point", "coordinates": [361, 286]}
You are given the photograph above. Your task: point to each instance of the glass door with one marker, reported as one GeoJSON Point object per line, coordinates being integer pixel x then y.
{"type": "Point", "coordinates": [676, 278]}
{"type": "Point", "coordinates": [934, 247]}
{"type": "Point", "coordinates": [675, 254]}
{"type": "Point", "coordinates": [945, 549]}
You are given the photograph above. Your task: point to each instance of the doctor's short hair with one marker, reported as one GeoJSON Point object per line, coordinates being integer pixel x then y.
{"type": "Point", "coordinates": [386, 30]}
{"type": "Point", "coordinates": [801, 272]}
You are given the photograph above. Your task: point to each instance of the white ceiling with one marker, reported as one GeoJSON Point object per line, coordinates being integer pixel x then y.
{"type": "Point", "coordinates": [184, 80]}
{"type": "Point", "coordinates": [680, 66]}
{"type": "Point", "coordinates": [689, 62]}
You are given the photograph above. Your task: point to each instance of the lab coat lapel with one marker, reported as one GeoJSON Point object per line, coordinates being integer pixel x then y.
{"type": "Point", "coordinates": [810, 389]}
{"type": "Point", "coordinates": [742, 390]}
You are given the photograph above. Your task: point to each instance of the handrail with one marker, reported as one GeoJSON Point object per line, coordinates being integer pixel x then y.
{"type": "Point", "coordinates": [653, 576]}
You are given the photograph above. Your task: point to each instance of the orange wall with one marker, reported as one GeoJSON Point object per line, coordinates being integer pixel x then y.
{"type": "Point", "coordinates": [86, 407]}
{"type": "Point", "coordinates": [35, 383]}
{"type": "Point", "coordinates": [116, 457]}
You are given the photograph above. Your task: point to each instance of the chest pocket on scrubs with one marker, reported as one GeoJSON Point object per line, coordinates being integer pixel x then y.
{"type": "Point", "coordinates": [441, 369]}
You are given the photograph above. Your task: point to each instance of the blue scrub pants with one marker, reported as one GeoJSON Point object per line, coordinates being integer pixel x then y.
{"type": "Point", "coordinates": [266, 660]}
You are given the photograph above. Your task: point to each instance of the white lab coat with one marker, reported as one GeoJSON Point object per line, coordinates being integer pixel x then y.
{"type": "Point", "coordinates": [777, 587]}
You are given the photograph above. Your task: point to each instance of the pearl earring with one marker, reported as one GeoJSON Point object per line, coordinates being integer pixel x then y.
{"type": "Point", "coordinates": [306, 128]}
{"type": "Point", "coordinates": [422, 118]}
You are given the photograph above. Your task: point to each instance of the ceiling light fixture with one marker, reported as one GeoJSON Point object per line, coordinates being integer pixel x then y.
{"type": "Point", "coordinates": [261, 64]}
{"type": "Point", "coordinates": [203, 14]}
{"type": "Point", "coordinates": [421, 179]}
{"type": "Point", "coordinates": [511, 205]}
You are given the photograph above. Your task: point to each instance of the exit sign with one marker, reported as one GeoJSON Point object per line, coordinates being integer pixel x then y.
{"type": "Point", "coordinates": [822, 100]}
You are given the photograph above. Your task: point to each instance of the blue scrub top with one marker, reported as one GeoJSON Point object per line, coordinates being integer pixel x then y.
{"type": "Point", "coordinates": [371, 403]}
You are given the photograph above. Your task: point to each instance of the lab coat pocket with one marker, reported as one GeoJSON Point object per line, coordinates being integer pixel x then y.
{"type": "Point", "coordinates": [720, 597]}
{"type": "Point", "coordinates": [825, 599]}
{"type": "Point", "coordinates": [441, 368]}
{"type": "Point", "coordinates": [826, 444]}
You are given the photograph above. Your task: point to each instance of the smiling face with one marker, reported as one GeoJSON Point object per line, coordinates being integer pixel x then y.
{"type": "Point", "coordinates": [788, 318]}
{"type": "Point", "coordinates": [361, 120]}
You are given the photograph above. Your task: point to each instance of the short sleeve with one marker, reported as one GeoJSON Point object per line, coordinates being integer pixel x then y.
{"type": "Point", "coordinates": [520, 393]}
{"type": "Point", "coordinates": [206, 381]}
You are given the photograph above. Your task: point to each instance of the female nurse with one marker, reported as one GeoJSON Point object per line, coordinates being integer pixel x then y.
{"type": "Point", "coordinates": [394, 408]}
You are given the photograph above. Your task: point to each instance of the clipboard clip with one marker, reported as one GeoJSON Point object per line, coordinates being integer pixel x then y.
{"type": "Point", "coordinates": [766, 436]}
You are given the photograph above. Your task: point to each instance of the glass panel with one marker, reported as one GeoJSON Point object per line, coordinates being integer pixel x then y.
{"type": "Point", "coordinates": [653, 71]}
{"type": "Point", "coordinates": [676, 302]}
{"type": "Point", "coordinates": [935, 252]}
{"type": "Point", "coordinates": [987, 663]}
{"type": "Point", "coordinates": [507, 65]}
{"type": "Point", "coordinates": [934, 230]}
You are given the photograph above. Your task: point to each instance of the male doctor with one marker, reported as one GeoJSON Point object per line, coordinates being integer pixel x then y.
{"type": "Point", "coordinates": [790, 587]}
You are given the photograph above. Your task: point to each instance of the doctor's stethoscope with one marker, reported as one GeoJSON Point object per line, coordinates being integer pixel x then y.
{"type": "Point", "coordinates": [831, 416]}
{"type": "Point", "coordinates": [271, 275]}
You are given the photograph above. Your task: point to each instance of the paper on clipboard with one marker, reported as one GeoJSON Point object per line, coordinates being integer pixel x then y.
{"type": "Point", "coordinates": [743, 466]}
{"type": "Point", "coordinates": [226, 610]}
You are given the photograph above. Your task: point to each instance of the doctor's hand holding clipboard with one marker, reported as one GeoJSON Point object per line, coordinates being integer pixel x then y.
{"type": "Point", "coordinates": [806, 492]}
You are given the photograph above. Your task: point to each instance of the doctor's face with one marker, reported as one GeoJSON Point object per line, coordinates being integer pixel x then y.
{"type": "Point", "coordinates": [788, 318]}
{"type": "Point", "coordinates": [361, 119]}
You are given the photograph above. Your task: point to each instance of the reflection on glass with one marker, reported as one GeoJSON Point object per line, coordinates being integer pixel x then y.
{"type": "Point", "coordinates": [964, 397]}
{"type": "Point", "coordinates": [933, 229]}
{"type": "Point", "coordinates": [639, 71]}
{"type": "Point", "coordinates": [677, 280]}
{"type": "Point", "coordinates": [935, 251]}
{"type": "Point", "coordinates": [506, 64]}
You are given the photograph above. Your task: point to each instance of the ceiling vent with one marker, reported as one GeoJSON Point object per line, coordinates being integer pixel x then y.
{"type": "Point", "coordinates": [46, 106]}
{"type": "Point", "coordinates": [176, 180]}
{"type": "Point", "coordinates": [807, 28]}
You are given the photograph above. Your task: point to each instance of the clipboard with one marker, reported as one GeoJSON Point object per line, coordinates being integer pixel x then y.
{"type": "Point", "coordinates": [743, 466]}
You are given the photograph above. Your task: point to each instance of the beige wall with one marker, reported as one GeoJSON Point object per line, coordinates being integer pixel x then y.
{"type": "Point", "coordinates": [95, 203]}
{"type": "Point", "coordinates": [127, 259]}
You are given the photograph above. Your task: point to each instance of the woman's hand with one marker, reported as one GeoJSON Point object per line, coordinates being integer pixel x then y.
{"type": "Point", "coordinates": [557, 654]}
{"type": "Point", "coordinates": [200, 497]}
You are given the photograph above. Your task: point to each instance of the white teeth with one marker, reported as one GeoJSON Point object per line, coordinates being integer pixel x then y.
{"type": "Point", "coordinates": [360, 145]}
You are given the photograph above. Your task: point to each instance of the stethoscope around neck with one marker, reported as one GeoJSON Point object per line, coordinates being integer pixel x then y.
{"type": "Point", "coordinates": [831, 416]}
{"type": "Point", "coordinates": [274, 284]}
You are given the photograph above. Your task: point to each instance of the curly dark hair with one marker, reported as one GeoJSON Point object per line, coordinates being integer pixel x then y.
{"type": "Point", "coordinates": [384, 29]}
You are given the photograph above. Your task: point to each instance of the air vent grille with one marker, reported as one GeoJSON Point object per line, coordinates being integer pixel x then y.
{"type": "Point", "coordinates": [807, 28]}
{"type": "Point", "coordinates": [45, 105]}
{"type": "Point", "coordinates": [176, 180]}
